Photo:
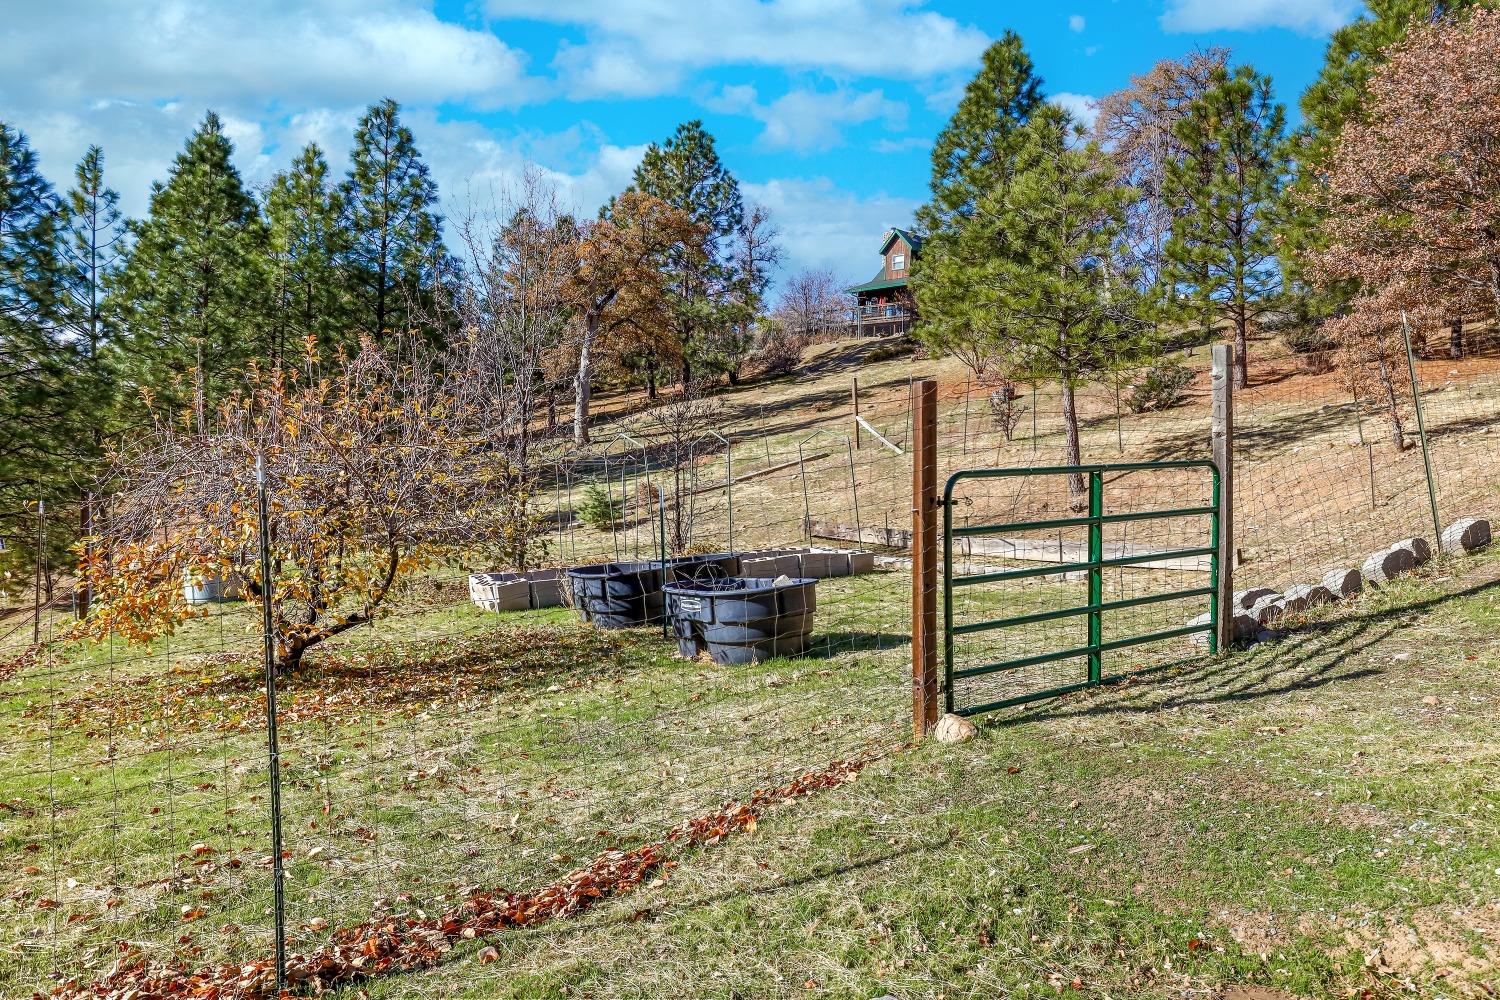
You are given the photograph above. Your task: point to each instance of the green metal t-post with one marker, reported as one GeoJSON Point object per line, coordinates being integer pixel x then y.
{"type": "Point", "coordinates": [1096, 576]}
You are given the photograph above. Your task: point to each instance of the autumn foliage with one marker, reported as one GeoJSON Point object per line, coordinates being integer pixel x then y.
{"type": "Point", "coordinates": [376, 466]}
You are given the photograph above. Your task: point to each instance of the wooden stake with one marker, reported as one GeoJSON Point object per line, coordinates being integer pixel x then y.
{"type": "Point", "coordinates": [924, 567]}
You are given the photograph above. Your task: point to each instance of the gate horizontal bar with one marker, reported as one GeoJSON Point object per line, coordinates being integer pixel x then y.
{"type": "Point", "coordinates": [1068, 470]}
{"type": "Point", "coordinates": [1079, 522]}
{"type": "Point", "coordinates": [1019, 574]}
{"type": "Point", "coordinates": [1058, 692]}
{"type": "Point", "coordinates": [1069, 654]}
{"type": "Point", "coordinates": [1082, 609]}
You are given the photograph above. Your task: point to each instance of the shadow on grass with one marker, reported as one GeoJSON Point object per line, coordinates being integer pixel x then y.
{"type": "Point", "coordinates": [827, 645]}
{"type": "Point", "coordinates": [1296, 663]}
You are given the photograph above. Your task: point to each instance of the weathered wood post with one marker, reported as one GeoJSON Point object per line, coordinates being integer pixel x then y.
{"type": "Point", "coordinates": [924, 561]}
{"type": "Point", "coordinates": [854, 399]}
{"type": "Point", "coordinates": [1223, 456]}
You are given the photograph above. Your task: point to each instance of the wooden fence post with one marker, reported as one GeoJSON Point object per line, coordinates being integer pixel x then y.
{"type": "Point", "coordinates": [924, 561]}
{"type": "Point", "coordinates": [854, 398]}
{"type": "Point", "coordinates": [1223, 456]}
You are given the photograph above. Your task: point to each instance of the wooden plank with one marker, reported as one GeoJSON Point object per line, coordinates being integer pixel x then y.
{"type": "Point", "coordinates": [862, 422]}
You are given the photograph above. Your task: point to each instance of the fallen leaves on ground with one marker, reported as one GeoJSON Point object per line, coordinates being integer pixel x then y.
{"type": "Point", "coordinates": [388, 944]}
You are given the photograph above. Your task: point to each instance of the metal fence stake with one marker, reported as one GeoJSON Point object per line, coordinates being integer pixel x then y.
{"type": "Point", "coordinates": [1223, 456]}
{"type": "Point", "coordinates": [278, 880]}
{"type": "Point", "coordinates": [1416, 402]}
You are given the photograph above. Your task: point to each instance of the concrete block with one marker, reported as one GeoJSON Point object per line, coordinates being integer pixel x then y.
{"type": "Point", "coordinates": [861, 563]}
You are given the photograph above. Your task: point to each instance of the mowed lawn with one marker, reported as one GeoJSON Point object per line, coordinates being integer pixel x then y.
{"type": "Point", "coordinates": [1315, 817]}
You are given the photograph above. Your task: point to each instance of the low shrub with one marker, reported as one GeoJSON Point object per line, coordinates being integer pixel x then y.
{"type": "Point", "coordinates": [1310, 345]}
{"type": "Point", "coordinates": [1160, 387]}
{"type": "Point", "coordinates": [902, 347]}
{"type": "Point", "coordinates": [598, 508]}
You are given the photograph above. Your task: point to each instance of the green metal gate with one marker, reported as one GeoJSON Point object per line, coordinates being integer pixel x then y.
{"type": "Point", "coordinates": [1096, 607]}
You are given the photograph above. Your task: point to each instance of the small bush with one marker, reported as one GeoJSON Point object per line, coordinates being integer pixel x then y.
{"type": "Point", "coordinates": [598, 509]}
{"type": "Point", "coordinates": [899, 348]}
{"type": "Point", "coordinates": [1006, 408]}
{"type": "Point", "coordinates": [1310, 345]}
{"type": "Point", "coordinates": [1160, 387]}
{"type": "Point", "coordinates": [779, 351]}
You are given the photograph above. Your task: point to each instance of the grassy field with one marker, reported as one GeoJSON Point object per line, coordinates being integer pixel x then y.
{"type": "Point", "coordinates": [1316, 816]}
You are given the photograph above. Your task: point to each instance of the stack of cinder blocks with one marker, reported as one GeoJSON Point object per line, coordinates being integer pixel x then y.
{"type": "Point", "coordinates": [542, 588]}
{"type": "Point", "coordinates": [818, 564]}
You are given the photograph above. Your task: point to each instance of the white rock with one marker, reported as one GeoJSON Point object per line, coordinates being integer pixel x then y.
{"type": "Point", "coordinates": [1344, 582]}
{"type": "Point", "coordinates": [1309, 594]}
{"type": "Point", "coordinates": [1382, 567]}
{"type": "Point", "coordinates": [1247, 599]}
{"type": "Point", "coordinates": [1420, 551]}
{"type": "Point", "coordinates": [1467, 534]}
{"type": "Point", "coordinates": [954, 729]}
{"type": "Point", "coordinates": [1267, 610]}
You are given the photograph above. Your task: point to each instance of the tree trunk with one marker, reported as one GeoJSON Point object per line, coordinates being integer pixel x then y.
{"type": "Point", "coordinates": [734, 377]}
{"type": "Point", "coordinates": [1456, 338]}
{"type": "Point", "coordinates": [581, 382]}
{"type": "Point", "coordinates": [1078, 494]}
{"type": "Point", "coordinates": [1392, 405]}
{"type": "Point", "coordinates": [1242, 352]}
{"type": "Point", "coordinates": [551, 410]}
{"type": "Point", "coordinates": [687, 373]}
{"type": "Point", "coordinates": [651, 383]}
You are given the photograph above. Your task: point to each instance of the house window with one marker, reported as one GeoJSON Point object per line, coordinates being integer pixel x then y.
{"type": "Point", "coordinates": [898, 262]}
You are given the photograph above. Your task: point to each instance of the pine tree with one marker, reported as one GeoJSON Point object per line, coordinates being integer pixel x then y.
{"type": "Point", "coordinates": [94, 247]}
{"type": "Point", "coordinates": [972, 158]}
{"type": "Point", "coordinates": [1221, 258]}
{"type": "Point", "coordinates": [686, 173]}
{"type": "Point", "coordinates": [1032, 265]}
{"type": "Point", "coordinates": [397, 262]}
{"type": "Point", "coordinates": [37, 404]}
{"type": "Point", "coordinates": [973, 152]}
{"type": "Point", "coordinates": [307, 247]}
{"type": "Point", "coordinates": [193, 294]}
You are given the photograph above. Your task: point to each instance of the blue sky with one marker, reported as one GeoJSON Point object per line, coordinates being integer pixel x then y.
{"type": "Point", "coordinates": [825, 109]}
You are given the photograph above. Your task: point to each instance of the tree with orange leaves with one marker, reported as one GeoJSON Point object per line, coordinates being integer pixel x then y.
{"type": "Point", "coordinates": [1412, 192]}
{"type": "Point", "coordinates": [375, 467]}
{"type": "Point", "coordinates": [617, 288]}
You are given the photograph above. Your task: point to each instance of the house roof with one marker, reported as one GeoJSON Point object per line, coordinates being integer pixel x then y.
{"type": "Point", "coordinates": [893, 234]}
{"type": "Point", "coordinates": [878, 284]}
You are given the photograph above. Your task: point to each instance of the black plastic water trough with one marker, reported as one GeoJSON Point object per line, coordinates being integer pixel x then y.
{"type": "Point", "coordinates": [629, 594]}
{"type": "Point", "coordinates": [742, 619]}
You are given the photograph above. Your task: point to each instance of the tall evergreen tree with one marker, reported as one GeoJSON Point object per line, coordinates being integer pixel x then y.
{"type": "Point", "coordinates": [973, 152]}
{"type": "Point", "coordinates": [1031, 268]}
{"type": "Point", "coordinates": [37, 405]}
{"type": "Point", "coordinates": [396, 258]}
{"type": "Point", "coordinates": [308, 244]}
{"type": "Point", "coordinates": [194, 292]}
{"type": "Point", "coordinates": [972, 158]}
{"type": "Point", "coordinates": [1221, 258]}
{"type": "Point", "coordinates": [94, 246]}
{"type": "Point", "coordinates": [686, 173]}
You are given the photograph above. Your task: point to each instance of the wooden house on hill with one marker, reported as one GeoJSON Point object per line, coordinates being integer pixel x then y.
{"type": "Point", "coordinates": [884, 305]}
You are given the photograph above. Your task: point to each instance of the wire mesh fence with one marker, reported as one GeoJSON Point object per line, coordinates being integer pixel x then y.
{"type": "Point", "coordinates": [443, 758]}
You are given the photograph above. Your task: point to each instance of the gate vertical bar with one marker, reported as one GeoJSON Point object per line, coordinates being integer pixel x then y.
{"type": "Point", "coordinates": [1096, 576]}
{"type": "Point", "coordinates": [1222, 434]}
{"type": "Point", "coordinates": [924, 653]}
{"type": "Point", "coordinates": [273, 753]}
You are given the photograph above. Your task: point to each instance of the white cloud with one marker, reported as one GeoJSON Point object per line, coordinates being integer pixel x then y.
{"type": "Point", "coordinates": [806, 120]}
{"type": "Point", "coordinates": [333, 52]}
{"type": "Point", "coordinates": [1075, 22]}
{"type": "Point", "coordinates": [1308, 16]}
{"type": "Point", "coordinates": [1082, 107]}
{"type": "Point", "coordinates": [826, 227]}
{"type": "Point", "coordinates": [646, 46]}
